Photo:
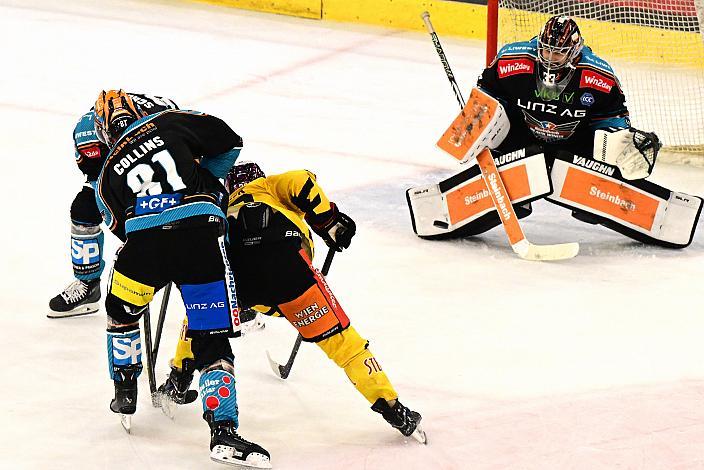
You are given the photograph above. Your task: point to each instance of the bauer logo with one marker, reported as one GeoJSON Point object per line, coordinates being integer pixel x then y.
{"type": "Point", "coordinates": [85, 251]}
{"type": "Point", "coordinates": [587, 99]}
{"type": "Point", "coordinates": [596, 80]}
{"type": "Point", "coordinates": [506, 68]}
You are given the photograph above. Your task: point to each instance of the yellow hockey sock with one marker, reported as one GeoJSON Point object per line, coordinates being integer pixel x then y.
{"type": "Point", "coordinates": [183, 347]}
{"type": "Point", "coordinates": [349, 351]}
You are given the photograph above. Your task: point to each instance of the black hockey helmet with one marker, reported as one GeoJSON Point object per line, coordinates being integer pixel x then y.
{"type": "Point", "coordinates": [114, 112]}
{"type": "Point", "coordinates": [242, 173]}
{"type": "Point", "coordinates": [559, 43]}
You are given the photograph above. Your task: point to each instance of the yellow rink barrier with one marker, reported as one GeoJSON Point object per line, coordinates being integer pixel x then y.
{"type": "Point", "coordinates": [449, 18]}
{"type": "Point", "coordinates": [301, 8]}
{"type": "Point", "coordinates": [469, 20]}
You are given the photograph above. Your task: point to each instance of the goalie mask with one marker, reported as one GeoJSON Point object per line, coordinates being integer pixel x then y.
{"type": "Point", "coordinates": [559, 46]}
{"type": "Point", "coordinates": [242, 173]}
{"type": "Point", "coordinates": [114, 112]}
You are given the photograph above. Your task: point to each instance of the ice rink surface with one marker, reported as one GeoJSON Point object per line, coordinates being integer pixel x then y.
{"type": "Point", "coordinates": [596, 362]}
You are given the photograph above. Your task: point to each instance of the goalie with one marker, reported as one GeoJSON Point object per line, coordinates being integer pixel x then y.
{"type": "Point", "coordinates": [554, 116]}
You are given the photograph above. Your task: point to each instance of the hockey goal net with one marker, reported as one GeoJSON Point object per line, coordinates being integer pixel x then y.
{"type": "Point", "coordinates": [654, 46]}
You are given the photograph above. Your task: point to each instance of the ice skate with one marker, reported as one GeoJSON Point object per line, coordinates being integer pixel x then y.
{"type": "Point", "coordinates": [251, 321]}
{"type": "Point", "coordinates": [175, 391]}
{"type": "Point", "coordinates": [404, 419]}
{"type": "Point", "coordinates": [79, 298]}
{"type": "Point", "coordinates": [125, 401]}
{"type": "Point", "coordinates": [228, 447]}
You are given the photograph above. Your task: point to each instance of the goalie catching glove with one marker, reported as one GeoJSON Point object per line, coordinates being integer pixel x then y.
{"type": "Point", "coordinates": [632, 151]}
{"type": "Point", "coordinates": [334, 227]}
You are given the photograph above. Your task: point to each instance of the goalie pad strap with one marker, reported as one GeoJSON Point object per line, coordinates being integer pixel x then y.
{"type": "Point", "coordinates": [641, 210]}
{"type": "Point", "coordinates": [461, 205]}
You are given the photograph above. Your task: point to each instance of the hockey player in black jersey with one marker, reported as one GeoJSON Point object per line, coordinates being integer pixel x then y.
{"type": "Point", "coordinates": [561, 108]}
{"type": "Point", "coordinates": [82, 295]}
{"type": "Point", "coordinates": [159, 192]}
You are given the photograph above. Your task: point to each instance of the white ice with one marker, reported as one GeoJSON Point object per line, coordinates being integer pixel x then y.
{"type": "Point", "coordinates": [596, 362]}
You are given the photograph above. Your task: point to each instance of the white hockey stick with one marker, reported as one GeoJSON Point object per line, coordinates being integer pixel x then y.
{"type": "Point", "coordinates": [520, 244]}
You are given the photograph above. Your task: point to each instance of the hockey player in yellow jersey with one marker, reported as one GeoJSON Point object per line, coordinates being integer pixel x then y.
{"type": "Point", "coordinates": [270, 221]}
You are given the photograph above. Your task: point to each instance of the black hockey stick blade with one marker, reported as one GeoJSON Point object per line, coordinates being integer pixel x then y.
{"type": "Point", "coordinates": [280, 371]}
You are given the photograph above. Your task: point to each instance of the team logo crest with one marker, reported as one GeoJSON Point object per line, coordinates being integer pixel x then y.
{"type": "Point", "coordinates": [549, 131]}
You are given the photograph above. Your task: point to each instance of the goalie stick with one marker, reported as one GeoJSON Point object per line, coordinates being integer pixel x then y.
{"type": "Point", "coordinates": [519, 243]}
{"type": "Point", "coordinates": [282, 371]}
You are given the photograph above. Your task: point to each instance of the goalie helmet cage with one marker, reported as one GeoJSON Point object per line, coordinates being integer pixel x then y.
{"type": "Point", "coordinates": [654, 46]}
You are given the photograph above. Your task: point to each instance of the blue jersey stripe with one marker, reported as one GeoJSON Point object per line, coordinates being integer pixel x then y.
{"type": "Point", "coordinates": [172, 215]}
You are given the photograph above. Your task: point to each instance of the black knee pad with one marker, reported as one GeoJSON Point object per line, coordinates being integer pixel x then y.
{"type": "Point", "coordinates": [84, 209]}
{"type": "Point", "coordinates": [208, 350]}
{"type": "Point", "coordinates": [121, 312]}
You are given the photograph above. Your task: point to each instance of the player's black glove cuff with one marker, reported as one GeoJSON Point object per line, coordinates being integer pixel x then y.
{"type": "Point", "coordinates": [334, 227]}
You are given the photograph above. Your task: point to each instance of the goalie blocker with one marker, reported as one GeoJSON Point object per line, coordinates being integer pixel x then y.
{"type": "Point", "coordinates": [598, 194]}
{"type": "Point", "coordinates": [461, 205]}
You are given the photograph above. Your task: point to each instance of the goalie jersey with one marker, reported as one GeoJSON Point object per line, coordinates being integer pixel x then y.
{"type": "Point", "coordinates": [564, 115]}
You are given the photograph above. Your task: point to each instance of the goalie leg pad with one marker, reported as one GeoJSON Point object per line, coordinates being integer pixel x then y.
{"type": "Point", "coordinates": [461, 205]}
{"type": "Point", "coordinates": [641, 210]}
{"type": "Point", "coordinates": [350, 352]}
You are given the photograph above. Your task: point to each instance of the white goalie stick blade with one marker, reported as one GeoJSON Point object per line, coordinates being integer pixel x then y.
{"type": "Point", "coordinates": [517, 239]}
{"type": "Point", "coordinates": [126, 422]}
{"type": "Point", "coordinates": [230, 456]}
{"type": "Point", "coordinates": [528, 251]}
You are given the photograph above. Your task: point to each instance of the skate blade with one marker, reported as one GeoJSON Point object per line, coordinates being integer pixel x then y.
{"type": "Point", "coordinates": [419, 435]}
{"type": "Point", "coordinates": [225, 455]}
{"type": "Point", "coordinates": [252, 327]}
{"type": "Point", "coordinates": [86, 309]}
{"type": "Point", "coordinates": [167, 405]}
{"type": "Point", "coordinates": [126, 422]}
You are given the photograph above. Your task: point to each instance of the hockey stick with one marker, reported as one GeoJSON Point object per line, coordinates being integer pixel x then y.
{"type": "Point", "coordinates": [160, 323]}
{"type": "Point", "coordinates": [490, 174]}
{"type": "Point", "coordinates": [150, 358]}
{"type": "Point", "coordinates": [153, 351]}
{"type": "Point", "coordinates": [282, 372]}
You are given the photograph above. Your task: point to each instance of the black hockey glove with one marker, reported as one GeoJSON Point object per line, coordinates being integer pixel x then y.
{"type": "Point", "coordinates": [334, 227]}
